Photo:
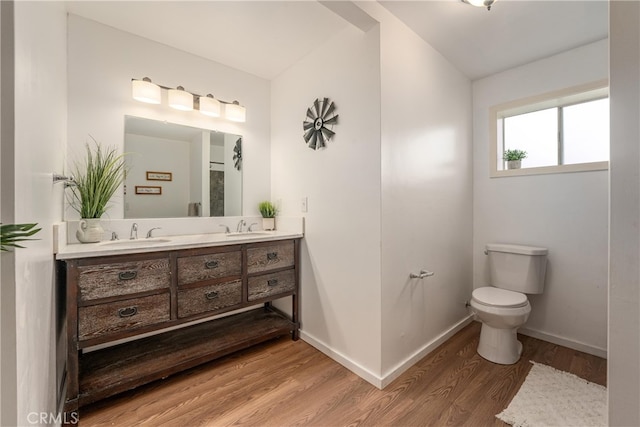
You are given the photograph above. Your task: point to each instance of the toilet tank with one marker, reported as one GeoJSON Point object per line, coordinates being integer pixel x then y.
{"type": "Point", "coordinates": [517, 268]}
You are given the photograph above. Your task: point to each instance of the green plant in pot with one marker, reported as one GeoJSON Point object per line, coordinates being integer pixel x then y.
{"type": "Point", "coordinates": [268, 212]}
{"type": "Point", "coordinates": [96, 178]}
{"type": "Point", "coordinates": [514, 158]}
{"type": "Point", "coordinates": [11, 234]}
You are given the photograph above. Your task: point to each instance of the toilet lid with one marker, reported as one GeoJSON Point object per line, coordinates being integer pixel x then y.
{"type": "Point", "coordinates": [499, 297]}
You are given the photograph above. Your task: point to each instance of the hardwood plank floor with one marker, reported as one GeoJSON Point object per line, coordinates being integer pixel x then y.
{"type": "Point", "coordinates": [287, 383]}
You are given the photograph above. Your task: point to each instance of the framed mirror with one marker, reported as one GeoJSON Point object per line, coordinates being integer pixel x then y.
{"type": "Point", "coordinates": [177, 171]}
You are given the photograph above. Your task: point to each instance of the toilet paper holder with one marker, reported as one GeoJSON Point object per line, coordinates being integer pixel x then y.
{"type": "Point", "coordinates": [421, 275]}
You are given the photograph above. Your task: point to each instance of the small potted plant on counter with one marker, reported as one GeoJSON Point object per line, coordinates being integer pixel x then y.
{"type": "Point", "coordinates": [268, 212]}
{"type": "Point", "coordinates": [514, 158]}
{"type": "Point", "coordinates": [95, 181]}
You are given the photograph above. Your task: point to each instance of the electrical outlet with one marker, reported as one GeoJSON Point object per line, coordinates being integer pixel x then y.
{"type": "Point", "coordinates": [304, 205]}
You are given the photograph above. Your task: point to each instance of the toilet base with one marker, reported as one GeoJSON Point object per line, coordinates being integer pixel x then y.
{"type": "Point", "coordinates": [499, 345]}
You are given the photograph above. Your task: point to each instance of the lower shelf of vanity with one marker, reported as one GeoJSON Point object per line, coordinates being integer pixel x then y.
{"type": "Point", "coordinates": [112, 370]}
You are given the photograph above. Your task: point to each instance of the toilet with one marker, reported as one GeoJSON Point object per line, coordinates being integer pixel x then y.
{"type": "Point", "coordinates": [503, 307]}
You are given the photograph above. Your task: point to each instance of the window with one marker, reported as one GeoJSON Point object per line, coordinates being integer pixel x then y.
{"type": "Point", "coordinates": [566, 131]}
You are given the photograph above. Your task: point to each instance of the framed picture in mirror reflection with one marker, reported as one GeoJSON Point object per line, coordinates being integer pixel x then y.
{"type": "Point", "coordinates": [159, 176]}
{"type": "Point", "coordinates": [149, 190]}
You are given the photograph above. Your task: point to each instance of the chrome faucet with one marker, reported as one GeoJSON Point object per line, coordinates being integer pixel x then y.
{"type": "Point", "coordinates": [150, 232]}
{"type": "Point", "coordinates": [134, 232]}
{"type": "Point", "coordinates": [250, 229]}
{"type": "Point", "coordinates": [226, 228]}
{"type": "Point", "coordinates": [240, 225]}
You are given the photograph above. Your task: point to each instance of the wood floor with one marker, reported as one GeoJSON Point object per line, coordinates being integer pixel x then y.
{"type": "Point", "coordinates": [287, 383]}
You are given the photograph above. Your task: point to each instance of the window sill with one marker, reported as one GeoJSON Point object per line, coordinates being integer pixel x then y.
{"type": "Point", "coordinates": [580, 167]}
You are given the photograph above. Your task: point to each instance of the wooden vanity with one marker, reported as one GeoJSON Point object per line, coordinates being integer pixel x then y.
{"type": "Point", "coordinates": [133, 296]}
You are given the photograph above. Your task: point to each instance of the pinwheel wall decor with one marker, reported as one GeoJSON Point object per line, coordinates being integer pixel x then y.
{"type": "Point", "coordinates": [319, 123]}
{"type": "Point", "coordinates": [237, 154]}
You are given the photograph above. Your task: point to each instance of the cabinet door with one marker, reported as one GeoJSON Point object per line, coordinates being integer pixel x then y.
{"type": "Point", "coordinates": [209, 298]}
{"type": "Point", "coordinates": [199, 268]}
{"type": "Point", "coordinates": [268, 285]}
{"type": "Point", "coordinates": [270, 257]}
{"type": "Point", "coordinates": [103, 319]}
{"type": "Point", "coordinates": [111, 279]}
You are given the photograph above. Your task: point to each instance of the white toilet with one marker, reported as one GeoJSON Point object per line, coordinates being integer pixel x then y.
{"type": "Point", "coordinates": [503, 307]}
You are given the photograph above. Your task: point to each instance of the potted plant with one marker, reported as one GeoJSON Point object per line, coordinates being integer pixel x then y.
{"type": "Point", "coordinates": [268, 212]}
{"type": "Point", "coordinates": [514, 158]}
{"type": "Point", "coordinates": [10, 234]}
{"type": "Point", "coordinates": [96, 180]}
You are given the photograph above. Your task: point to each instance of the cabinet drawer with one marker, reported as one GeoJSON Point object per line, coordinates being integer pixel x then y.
{"type": "Point", "coordinates": [267, 285]}
{"type": "Point", "coordinates": [209, 298]}
{"type": "Point", "coordinates": [103, 319]}
{"type": "Point", "coordinates": [122, 278]}
{"type": "Point", "coordinates": [211, 266]}
{"type": "Point", "coordinates": [270, 257]}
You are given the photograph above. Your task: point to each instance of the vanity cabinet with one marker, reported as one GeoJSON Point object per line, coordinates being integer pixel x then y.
{"type": "Point", "coordinates": [136, 318]}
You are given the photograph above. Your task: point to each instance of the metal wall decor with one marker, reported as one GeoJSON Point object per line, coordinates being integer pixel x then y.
{"type": "Point", "coordinates": [237, 154]}
{"type": "Point", "coordinates": [319, 123]}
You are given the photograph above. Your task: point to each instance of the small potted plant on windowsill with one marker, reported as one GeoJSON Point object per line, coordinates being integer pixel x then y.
{"type": "Point", "coordinates": [268, 212]}
{"type": "Point", "coordinates": [514, 158]}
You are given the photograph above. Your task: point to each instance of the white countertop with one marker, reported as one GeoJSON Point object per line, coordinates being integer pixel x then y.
{"type": "Point", "coordinates": [169, 243]}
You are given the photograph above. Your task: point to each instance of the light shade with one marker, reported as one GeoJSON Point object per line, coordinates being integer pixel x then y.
{"type": "Point", "coordinates": [210, 106]}
{"type": "Point", "coordinates": [235, 112]}
{"type": "Point", "coordinates": [145, 91]}
{"type": "Point", "coordinates": [180, 99]}
{"type": "Point", "coordinates": [480, 3]}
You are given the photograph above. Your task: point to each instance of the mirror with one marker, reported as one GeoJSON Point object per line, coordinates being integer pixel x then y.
{"type": "Point", "coordinates": [177, 171]}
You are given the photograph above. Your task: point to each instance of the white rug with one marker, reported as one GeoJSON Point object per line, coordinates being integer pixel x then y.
{"type": "Point", "coordinates": [549, 397]}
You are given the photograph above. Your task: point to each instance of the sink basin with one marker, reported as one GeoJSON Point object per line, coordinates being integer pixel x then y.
{"type": "Point", "coordinates": [139, 243]}
{"type": "Point", "coordinates": [248, 233]}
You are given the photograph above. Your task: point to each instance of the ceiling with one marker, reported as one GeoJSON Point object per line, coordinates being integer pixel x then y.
{"type": "Point", "coordinates": [264, 38]}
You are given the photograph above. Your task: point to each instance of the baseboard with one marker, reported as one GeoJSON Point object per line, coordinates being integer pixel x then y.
{"type": "Point", "coordinates": [370, 377]}
{"type": "Point", "coordinates": [354, 367]}
{"type": "Point", "coordinates": [399, 369]}
{"type": "Point", "coordinates": [565, 342]}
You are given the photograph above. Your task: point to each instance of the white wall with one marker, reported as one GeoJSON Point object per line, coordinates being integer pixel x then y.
{"type": "Point", "coordinates": [102, 62]}
{"type": "Point", "coordinates": [566, 213]}
{"type": "Point", "coordinates": [340, 284]}
{"type": "Point", "coordinates": [8, 383]}
{"type": "Point", "coordinates": [624, 280]}
{"type": "Point", "coordinates": [389, 195]}
{"type": "Point", "coordinates": [426, 194]}
{"type": "Point", "coordinates": [40, 141]}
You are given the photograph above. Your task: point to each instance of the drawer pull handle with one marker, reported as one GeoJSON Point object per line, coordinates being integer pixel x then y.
{"type": "Point", "coordinates": [127, 312]}
{"type": "Point", "coordinates": [211, 295]}
{"type": "Point", "coordinates": [272, 282]}
{"type": "Point", "coordinates": [211, 264]}
{"type": "Point", "coordinates": [127, 275]}
{"type": "Point", "coordinates": [272, 255]}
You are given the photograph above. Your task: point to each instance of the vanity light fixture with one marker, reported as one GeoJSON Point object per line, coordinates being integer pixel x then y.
{"type": "Point", "coordinates": [145, 91]}
{"type": "Point", "coordinates": [235, 112]}
{"type": "Point", "coordinates": [480, 3]}
{"type": "Point", "coordinates": [178, 98]}
{"type": "Point", "coordinates": [209, 106]}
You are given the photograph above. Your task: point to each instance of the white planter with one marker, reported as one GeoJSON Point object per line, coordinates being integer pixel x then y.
{"type": "Point", "coordinates": [268, 223]}
{"type": "Point", "coordinates": [514, 164]}
{"type": "Point", "coordinates": [89, 230]}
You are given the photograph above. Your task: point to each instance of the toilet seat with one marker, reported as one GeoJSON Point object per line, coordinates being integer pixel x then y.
{"type": "Point", "coordinates": [496, 297]}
